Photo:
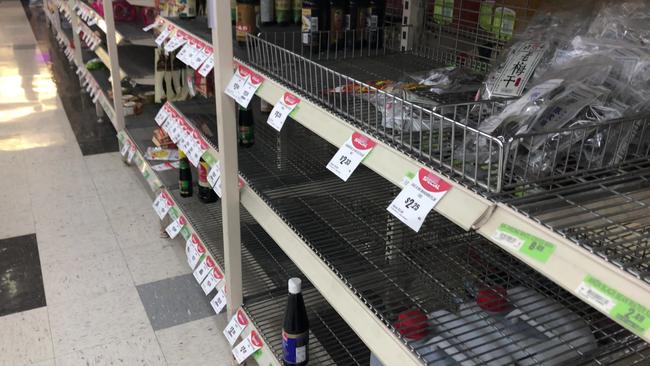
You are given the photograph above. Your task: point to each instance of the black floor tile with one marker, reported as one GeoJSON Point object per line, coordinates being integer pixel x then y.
{"type": "Point", "coordinates": [21, 281]}
{"type": "Point", "coordinates": [92, 136]}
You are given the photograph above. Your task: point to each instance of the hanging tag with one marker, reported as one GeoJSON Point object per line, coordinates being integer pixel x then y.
{"type": "Point", "coordinates": [175, 227]}
{"type": "Point", "coordinates": [194, 250]}
{"type": "Point", "coordinates": [207, 66]}
{"type": "Point", "coordinates": [96, 98]}
{"type": "Point", "coordinates": [186, 52]}
{"type": "Point", "coordinates": [212, 280]}
{"type": "Point", "coordinates": [417, 199]}
{"type": "Point", "coordinates": [218, 302]}
{"type": "Point", "coordinates": [173, 129]}
{"type": "Point", "coordinates": [199, 148]}
{"type": "Point", "coordinates": [214, 174]}
{"type": "Point", "coordinates": [350, 155]}
{"type": "Point", "coordinates": [282, 109]}
{"type": "Point", "coordinates": [247, 347]}
{"type": "Point", "coordinates": [163, 35]}
{"type": "Point", "coordinates": [162, 205]}
{"type": "Point", "coordinates": [132, 151]}
{"type": "Point", "coordinates": [235, 326]}
{"type": "Point", "coordinates": [125, 147]}
{"type": "Point", "coordinates": [202, 53]}
{"type": "Point", "coordinates": [92, 20]}
{"type": "Point", "coordinates": [237, 82]}
{"type": "Point", "coordinates": [251, 85]}
{"type": "Point", "coordinates": [204, 268]}
{"type": "Point", "coordinates": [162, 114]}
{"type": "Point", "coordinates": [175, 42]}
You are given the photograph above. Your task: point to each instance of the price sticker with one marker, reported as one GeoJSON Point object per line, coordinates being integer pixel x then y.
{"type": "Point", "coordinates": [207, 66]}
{"type": "Point", "coordinates": [175, 42]}
{"type": "Point", "coordinates": [237, 82]}
{"type": "Point", "coordinates": [212, 280]}
{"type": "Point", "coordinates": [235, 326]}
{"type": "Point", "coordinates": [187, 52]}
{"type": "Point", "coordinates": [619, 307]}
{"type": "Point", "coordinates": [132, 151]}
{"type": "Point", "coordinates": [249, 89]}
{"type": "Point", "coordinates": [162, 204]}
{"type": "Point", "coordinates": [202, 53]}
{"type": "Point", "coordinates": [175, 227]}
{"type": "Point", "coordinates": [218, 302]}
{"type": "Point", "coordinates": [417, 199]}
{"type": "Point", "coordinates": [247, 347]}
{"type": "Point", "coordinates": [125, 147]}
{"type": "Point", "coordinates": [282, 109]}
{"type": "Point", "coordinates": [163, 114]}
{"type": "Point", "coordinates": [203, 269]}
{"type": "Point", "coordinates": [350, 155]}
{"type": "Point", "coordinates": [214, 174]}
{"type": "Point", "coordinates": [163, 35]}
{"type": "Point", "coordinates": [529, 245]}
{"type": "Point", "coordinates": [194, 250]}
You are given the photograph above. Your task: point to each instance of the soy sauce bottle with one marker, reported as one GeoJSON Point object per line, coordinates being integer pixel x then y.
{"type": "Point", "coordinates": [184, 175]}
{"type": "Point", "coordinates": [295, 331]}
{"type": "Point", "coordinates": [245, 134]}
{"type": "Point", "coordinates": [206, 193]}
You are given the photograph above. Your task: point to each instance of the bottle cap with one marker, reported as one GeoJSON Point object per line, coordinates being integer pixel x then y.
{"type": "Point", "coordinates": [294, 285]}
{"type": "Point", "coordinates": [412, 324]}
{"type": "Point", "coordinates": [492, 299]}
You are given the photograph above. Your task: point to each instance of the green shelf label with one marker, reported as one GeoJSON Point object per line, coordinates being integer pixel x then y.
{"type": "Point", "coordinates": [619, 307]}
{"type": "Point", "coordinates": [211, 160]}
{"type": "Point", "coordinates": [532, 246]}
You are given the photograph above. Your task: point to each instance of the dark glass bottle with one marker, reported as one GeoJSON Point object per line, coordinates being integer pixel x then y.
{"type": "Point", "coordinates": [246, 133]}
{"type": "Point", "coordinates": [184, 175]}
{"type": "Point", "coordinates": [246, 19]}
{"type": "Point", "coordinates": [338, 11]}
{"type": "Point", "coordinates": [206, 193]}
{"type": "Point", "coordinates": [295, 331]}
{"type": "Point", "coordinates": [315, 20]}
{"type": "Point", "coordinates": [282, 11]}
{"type": "Point", "coordinates": [296, 11]}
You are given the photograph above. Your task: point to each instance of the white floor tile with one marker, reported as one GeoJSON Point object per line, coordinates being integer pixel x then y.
{"type": "Point", "coordinates": [196, 343]}
{"type": "Point", "coordinates": [99, 163]}
{"type": "Point", "coordinates": [83, 276]}
{"type": "Point", "coordinates": [25, 337]}
{"type": "Point", "coordinates": [49, 362]}
{"type": "Point", "coordinates": [141, 350]}
{"type": "Point", "coordinates": [94, 239]}
{"type": "Point", "coordinates": [156, 260]}
{"type": "Point", "coordinates": [97, 321]}
{"type": "Point", "coordinates": [126, 202]}
{"type": "Point", "coordinates": [19, 221]}
{"type": "Point", "coordinates": [136, 229]}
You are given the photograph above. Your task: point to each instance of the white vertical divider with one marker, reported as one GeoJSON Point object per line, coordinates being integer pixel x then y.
{"type": "Point", "coordinates": [111, 45]}
{"type": "Point", "coordinates": [75, 36]}
{"type": "Point", "coordinates": [227, 131]}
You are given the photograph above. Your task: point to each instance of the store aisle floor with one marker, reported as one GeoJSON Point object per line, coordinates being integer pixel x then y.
{"type": "Point", "coordinates": [85, 278]}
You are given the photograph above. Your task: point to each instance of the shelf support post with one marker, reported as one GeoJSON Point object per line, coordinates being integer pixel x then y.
{"type": "Point", "coordinates": [111, 45]}
{"type": "Point", "coordinates": [75, 38]}
{"type": "Point", "coordinates": [227, 130]}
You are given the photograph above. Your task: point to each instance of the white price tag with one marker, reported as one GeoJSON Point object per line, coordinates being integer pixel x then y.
{"type": "Point", "coordinates": [350, 155]}
{"type": "Point", "coordinates": [214, 174]}
{"type": "Point", "coordinates": [197, 149]}
{"type": "Point", "coordinates": [175, 42]}
{"type": "Point", "coordinates": [186, 53]}
{"type": "Point", "coordinates": [596, 298]}
{"type": "Point", "coordinates": [282, 109]}
{"type": "Point", "coordinates": [212, 280]}
{"type": "Point", "coordinates": [251, 85]}
{"type": "Point", "coordinates": [204, 268]}
{"type": "Point", "coordinates": [132, 151]}
{"type": "Point", "coordinates": [508, 240]}
{"type": "Point", "coordinates": [96, 98]}
{"type": "Point", "coordinates": [194, 250]}
{"type": "Point", "coordinates": [237, 82]}
{"type": "Point", "coordinates": [174, 129]}
{"type": "Point", "coordinates": [162, 204]}
{"type": "Point", "coordinates": [218, 302]}
{"type": "Point", "coordinates": [207, 66]}
{"type": "Point", "coordinates": [417, 199]}
{"type": "Point", "coordinates": [163, 35]}
{"type": "Point", "coordinates": [175, 227]}
{"type": "Point", "coordinates": [202, 53]}
{"type": "Point", "coordinates": [247, 347]}
{"type": "Point", "coordinates": [235, 326]}
{"type": "Point", "coordinates": [150, 27]}
{"type": "Point", "coordinates": [92, 20]}
{"type": "Point", "coordinates": [163, 114]}
{"type": "Point", "coordinates": [125, 147]}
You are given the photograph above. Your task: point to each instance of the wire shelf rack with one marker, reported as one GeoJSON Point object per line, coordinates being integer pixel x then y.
{"type": "Point", "coordinates": [438, 271]}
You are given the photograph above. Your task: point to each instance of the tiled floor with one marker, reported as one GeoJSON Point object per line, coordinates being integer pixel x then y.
{"type": "Point", "coordinates": [112, 292]}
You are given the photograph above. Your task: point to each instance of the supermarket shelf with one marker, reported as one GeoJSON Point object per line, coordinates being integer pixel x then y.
{"type": "Point", "coordinates": [197, 27]}
{"type": "Point", "coordinates": [468, 207]}
{"type": "Point", "coordinates": [132, 33]}
{"type": "Point", "coordinates": [136, 63]}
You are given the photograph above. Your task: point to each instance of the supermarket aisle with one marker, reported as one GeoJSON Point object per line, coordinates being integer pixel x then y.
{"type": "Point", "coordinates": [84, 277]}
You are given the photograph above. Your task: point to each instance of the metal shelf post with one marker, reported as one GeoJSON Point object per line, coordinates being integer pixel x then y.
{"type": "Point", "coordinates": [114, 66]}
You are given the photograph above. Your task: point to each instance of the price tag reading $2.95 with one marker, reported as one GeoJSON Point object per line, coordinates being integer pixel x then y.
{"type": "Point", "coordinates": [281, 110]}
{"type": "Point", "coordinates": [350, 155]}
{"type": "Point", "coordinates": [417, 199]}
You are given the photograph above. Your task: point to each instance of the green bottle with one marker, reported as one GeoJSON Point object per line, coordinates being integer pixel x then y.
{"type": "Point", "coordinates": [246, 133]}
{"type": "Point", "coordinates": [184, 175]}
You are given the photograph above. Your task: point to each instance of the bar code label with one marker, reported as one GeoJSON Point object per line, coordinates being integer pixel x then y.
{"type": "Point", "coordinates": [529, 245]}
{"type": "Point", "coordinates": [235, 327]}
{"type": "Point", "coordinates": [617, 306]}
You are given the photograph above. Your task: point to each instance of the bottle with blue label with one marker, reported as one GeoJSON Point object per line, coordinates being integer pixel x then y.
{"type": "Point", "coordinates": [295, 332]}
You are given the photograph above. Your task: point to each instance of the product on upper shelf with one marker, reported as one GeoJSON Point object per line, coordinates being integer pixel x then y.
{"type": "Point", "coordinates": [296, 11]}
{"type": "Point", "coordinates": [185, 185]}
{"type": "Point", "coordinates": [206, 193]}
{"type": "Point", "coordinates": [338, 13]}
{"type": "Point", "coordinates": [186, 8]}
{"type": "Point", "coordinates": [157, 153]}
{"type": "Point", "coordinates": [246, 132]}
{"type": "Point", "coordinates": [267, 12]}
{"type": "Point", "coordinates": [162, 139]}
{"type": "Point", "coordinates": [246, 19]}
{"type": "Point", "coordinates": [295, 329]}
{"type": "Point", "coordinates": [315, 20]}
{"type": "Point", "coordinates": [282, 11]}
